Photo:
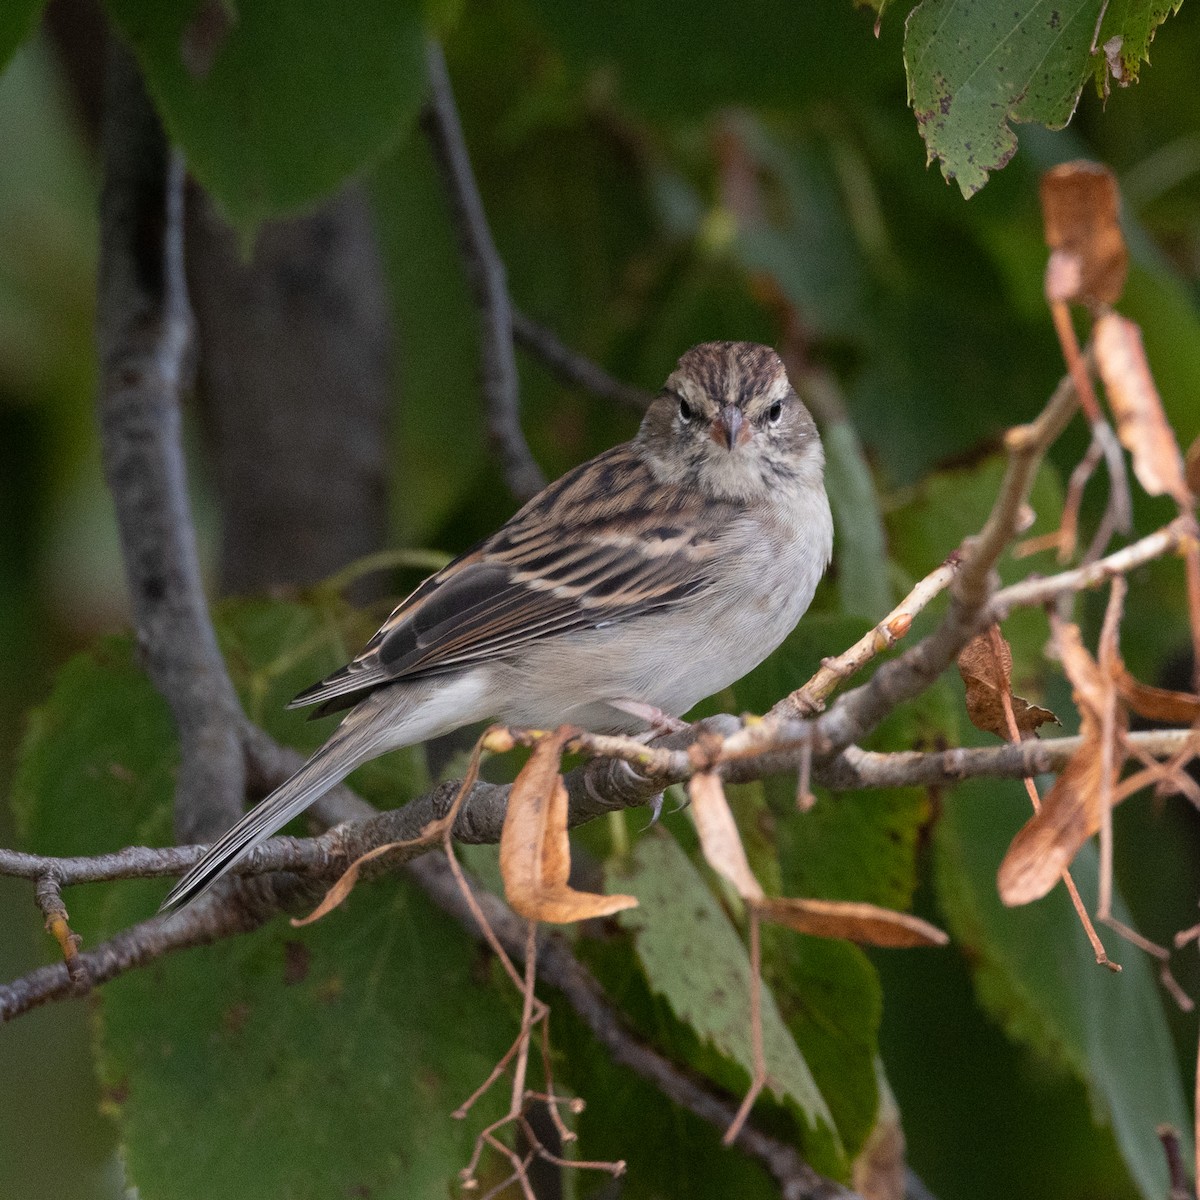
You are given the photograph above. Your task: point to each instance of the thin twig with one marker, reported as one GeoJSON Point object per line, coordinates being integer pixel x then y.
{"type": "Point", "coordinates": [560, 969]}
{"type": "Point", "coordinates": [1031, 593]}
{"type": "Point", "coordinates": [572, 368]}
{"type": "Point", "coordinates": [326, 856]}
{"type": "Point", "coordinates": [810, 697]}
{"type": "Point", "coordinates": [48, 896]}
{"type": "Point", "coordinates": [758, 1076]}
{"type": "Point", "coordinates": [1181, 1188]}
{"type": "Point", "coordinates": [137, 946]}
{"type": "Point", "coordinates": [487, 278]}
{"type": "Point", "coordinates": [1109, 765]}
{"type": "Point", "coordinates": [1069, 526]}
{"type": "Point", "coordinates": [858, 712]}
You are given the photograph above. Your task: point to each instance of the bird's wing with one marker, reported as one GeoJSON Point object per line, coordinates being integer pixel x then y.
{"type": "Point", "coordinates": [604, 544]}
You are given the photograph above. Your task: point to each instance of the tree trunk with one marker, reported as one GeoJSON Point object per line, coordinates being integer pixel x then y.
{"type": "Point", "coordinates": [295, 385]}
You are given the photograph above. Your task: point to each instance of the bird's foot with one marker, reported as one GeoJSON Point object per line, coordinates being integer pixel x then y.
{"type": "Point", "coordinates": [660, 722]}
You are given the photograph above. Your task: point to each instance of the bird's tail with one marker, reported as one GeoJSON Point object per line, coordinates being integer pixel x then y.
{"type": "Point", "coordinates": [354, 742]}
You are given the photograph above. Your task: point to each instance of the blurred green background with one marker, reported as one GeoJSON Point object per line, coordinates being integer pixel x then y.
{"type": "Point", "coordinates": [657, 175]}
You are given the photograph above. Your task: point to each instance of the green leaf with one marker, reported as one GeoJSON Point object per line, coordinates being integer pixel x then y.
{"type": "Point", "coordinates": [973, 67]}
{"type": "Point", "coordinates": [673, 62]}
{"type": "Point", "coordinates": [277, 103]}
{"type": "Point", "coordinates": [859, 548]}
{"type": "Point", "coordinates": [306, 1063]}
{"type": "Point", "coordinates": [274, 649]}
{"type": "Point", "coordinates": [1035, 972]}
{"type": "Point", "coordinates": [670, 1152]}
{"type": "Point", "coordinates": [47, 248]}
{"type": "Point", "coordinates": [1125, 35]}
{"type": "Point", "coordinates": [96, 769]}
{"type": "Point", "coordinates": [853, 846]}
{"type": "Point", "coordinates": [438, 371]}
{"type": "Point", "coordinates": [849, 846]}
{"type": "Point", "coordinates": [831, 1001]}
{"type": "Point", "coordinates": [17, 21]}
{"type": "Point", "coordinates": [692, 956]}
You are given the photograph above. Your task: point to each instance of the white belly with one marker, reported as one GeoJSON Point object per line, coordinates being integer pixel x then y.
{"type": "Point", "coordinates": [676, 658]}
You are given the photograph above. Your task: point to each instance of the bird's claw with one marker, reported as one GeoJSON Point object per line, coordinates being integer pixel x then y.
{"type": "Point", "coordinates": [656, 807]}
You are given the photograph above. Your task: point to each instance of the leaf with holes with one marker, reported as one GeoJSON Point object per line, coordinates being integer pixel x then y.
{"type": "Point", "coordinates": [985, 665]}
{"type": "Point", "coordinates": [975, 68]}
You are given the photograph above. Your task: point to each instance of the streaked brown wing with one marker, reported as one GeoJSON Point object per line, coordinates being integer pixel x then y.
{"type": "Point", "coordinates": [597, 547]}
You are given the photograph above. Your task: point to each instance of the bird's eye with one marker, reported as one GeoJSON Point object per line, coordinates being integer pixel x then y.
{"type": "Point", "coordinates": [775, 412]}
{"type": "Point", "coordinates": [685, 410]}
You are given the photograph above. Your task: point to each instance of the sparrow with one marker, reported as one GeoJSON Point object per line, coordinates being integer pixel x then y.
{"type": "Point", "coordinates": [636, 585]}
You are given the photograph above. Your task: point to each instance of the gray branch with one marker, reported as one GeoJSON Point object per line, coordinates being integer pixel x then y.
{"type": "Point", "coordinates": [144, 334]}
{"type": "Point", "coordinates": [487, 278]}
{"type": "Point", "coordinates": [574, 369]}
{"type": "Point", "coordinates": [599, 787]}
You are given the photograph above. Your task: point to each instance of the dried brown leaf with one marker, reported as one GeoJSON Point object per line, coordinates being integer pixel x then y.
{"type": "Point", "coordinates": [1081, 668]}
{"type": "Point", "coordinates": [985, 665]}
{"type": "Point", "coordinates": [1081, 214]}
{"type": "Point", "coordinates": [1191, 467]}
{"type": "Point", "coordinates": [880, 1170]}
{"type": "Point", "coordinates": [1154, 703]}
{"type": "Point", "coordinates": [535, 850]}
{"type": "Point", "coordinates": [1050, 839]}
{"type": "Point", "coordinates": [719, 837]}
{"type": "Point", "coordinates": [1141, 423]}
{"type": "Point", "coordinates": [857, 922]}
{"type": "Point", "coordinates": [1070, 813]}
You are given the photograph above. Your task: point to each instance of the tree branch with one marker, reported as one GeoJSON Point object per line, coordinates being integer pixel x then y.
{"type": "Point", "coordinates": [858, 712]}
{"type": "Point", "coordinates": [141, 944]}
{"type": "Point", "coordinates": [574, 369]}
{"type": "Point", "coordinates": [144, 333]}
{"type": "Point", "coordinates": [487, 278]}
{"type": "Point", "coordinates": [325, 857]}
{"type": "Point", "coordinates": [1031, 592]}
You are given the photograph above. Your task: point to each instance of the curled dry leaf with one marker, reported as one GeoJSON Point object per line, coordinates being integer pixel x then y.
{"type": "Point", "coordinates": [1081, 214]}
{"type": "Point", "coordinates": [535, 851]}
{"type": "Point", "coordinates": [719, 837]}
{"type": "Point", "coordinates": [1087, 680]}
{"type": "Point", "coordinates": [1141, 423]}
{"type": "Point", "coordinates": [1154, 703]}
{"type": "Point", "coordinates": [1191, 468]}
{"type": "Point", "coordinates": [723, 850]}
{"type": "Point", "coordinates": [1070, 813]}
{"type": "Point", "coordinates": [1050, 839]}
{"type": "Point", "coordinates": [855, 921]}
{"type": "Point", "coordinates": [880, 1170]}
{"type": "Point", "coordinates": [985, 665]}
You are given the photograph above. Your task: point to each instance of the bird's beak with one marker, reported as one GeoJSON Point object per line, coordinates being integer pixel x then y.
{"type": "Point", "coordinates": [727, 428]}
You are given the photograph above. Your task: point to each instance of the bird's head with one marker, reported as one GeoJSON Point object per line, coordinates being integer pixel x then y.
{"type": "Point", "coordinates": [729, 420]}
